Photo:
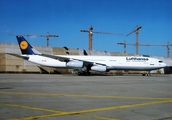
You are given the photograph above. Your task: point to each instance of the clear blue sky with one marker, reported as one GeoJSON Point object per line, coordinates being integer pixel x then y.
{"type": "Point", "coordinates": [67, 17]}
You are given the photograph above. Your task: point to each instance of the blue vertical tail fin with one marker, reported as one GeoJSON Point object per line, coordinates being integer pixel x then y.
{"type": "Point", "coordinates": [25, 47]}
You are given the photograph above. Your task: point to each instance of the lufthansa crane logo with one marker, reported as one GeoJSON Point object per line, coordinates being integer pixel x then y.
{"type": "Point", "coordinates": [23, 45]}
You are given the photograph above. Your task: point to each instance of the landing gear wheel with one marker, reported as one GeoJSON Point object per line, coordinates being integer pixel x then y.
{"type": "Point", "coordinates": [79, 73]}
{"type": "Point", "coordinates": [84, 73]}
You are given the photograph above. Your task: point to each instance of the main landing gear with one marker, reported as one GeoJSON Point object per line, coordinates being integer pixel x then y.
{"type": "Point", "coordinates": [80, 72]}
{"type": "Point", "coordinates": [146, 74]}
{"type": "Point", "coordinates": [84, 73]}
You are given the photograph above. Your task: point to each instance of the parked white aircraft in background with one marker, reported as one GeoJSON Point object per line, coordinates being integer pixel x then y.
{"type": "Point", "coordinates": [83, 64]}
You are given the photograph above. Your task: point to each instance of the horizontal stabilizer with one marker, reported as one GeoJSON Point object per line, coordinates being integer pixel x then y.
{"type": "Point", "coordinates": [20, 56]}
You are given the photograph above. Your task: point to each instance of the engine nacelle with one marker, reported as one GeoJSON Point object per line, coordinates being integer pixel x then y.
{"type": "Point", "coordinates": [75, 64]}
{"type": "Point", "coordinates": [99, 68]}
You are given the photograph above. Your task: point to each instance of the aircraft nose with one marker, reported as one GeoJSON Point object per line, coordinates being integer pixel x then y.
{"type": "Point", "coordinates": [164, 64]}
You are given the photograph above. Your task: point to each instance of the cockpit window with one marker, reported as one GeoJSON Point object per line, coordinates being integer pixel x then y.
{"type": "Point", "coordinates": [160, 61]}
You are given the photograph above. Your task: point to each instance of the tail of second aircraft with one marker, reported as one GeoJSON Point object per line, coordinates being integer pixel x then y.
{"type": "Point", "coordinates": [25, 47]}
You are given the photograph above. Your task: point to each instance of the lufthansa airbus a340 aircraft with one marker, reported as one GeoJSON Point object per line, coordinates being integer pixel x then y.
{"type": "Point", "coordinates": [83, 64]}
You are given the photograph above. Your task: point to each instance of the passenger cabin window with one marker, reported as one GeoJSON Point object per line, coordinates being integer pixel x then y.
{"type": "Point", "coordinates": [160, 61]}
{"type": "Point", "coordinates": [146, 56]}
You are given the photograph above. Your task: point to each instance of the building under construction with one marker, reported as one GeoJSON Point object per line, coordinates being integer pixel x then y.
{"type": "Point", "coordinates": [11, 64]}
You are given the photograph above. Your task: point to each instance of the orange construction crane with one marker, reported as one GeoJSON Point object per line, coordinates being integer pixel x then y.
{"type": "Point", "coordinates": [137, 40]}
{"type": "Point", "coordinates": [90, 35]}
{"type": "Point", "coordinates": [167, 45]}
{"type": "Point", "coordinates": [41, 35]}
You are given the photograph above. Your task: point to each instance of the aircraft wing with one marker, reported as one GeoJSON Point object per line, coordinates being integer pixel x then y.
{"type": "Point", "coordinates": [20, 56]}
{"type": "Point", "coordinates": [65, 59]}
{"type": "Point", "coordinates": [60, 58]}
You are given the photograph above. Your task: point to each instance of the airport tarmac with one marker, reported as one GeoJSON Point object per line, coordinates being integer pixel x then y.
{"type": "Point", "coordinates": [71, 97]}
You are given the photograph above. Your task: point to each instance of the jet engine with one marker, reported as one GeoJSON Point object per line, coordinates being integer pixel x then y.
{"type": "Point", "coordinates": [75, 64]}
{"type": "Point", "coordinates": [99, 68]}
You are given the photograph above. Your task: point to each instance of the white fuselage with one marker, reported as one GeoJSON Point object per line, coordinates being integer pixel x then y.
{"type": "Point", "coordinates": [112, 62]}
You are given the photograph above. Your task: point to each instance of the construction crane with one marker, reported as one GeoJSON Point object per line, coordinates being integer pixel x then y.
{"type": "Point", "coordinates": [41, 35]}
{"type": "Point", "coordinates": [137, 40]}
{"type": "Point", "coordinates": [90, 35]}
{"type": "Point", "coordinates": [167, 45]}
{"type": "Point", "coordinates": [125, 45]}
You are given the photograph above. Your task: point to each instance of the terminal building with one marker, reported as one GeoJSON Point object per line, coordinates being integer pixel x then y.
{"type": "Point", "coordinates": [12, 64]}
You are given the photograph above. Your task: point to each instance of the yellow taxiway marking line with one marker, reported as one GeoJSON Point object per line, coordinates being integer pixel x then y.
{"type": "Point", "coordinates": [163, 100]}
{"type": "Point", "coordinates": [78, 95]}
{"type": "Point", "coordinates": [97, 117]}
{"type": "Point", "coordinates": [29, 107]}
{"type": "Point", "coordinates": [91, 110]}
{"type": "Point", "coordinates": [55, 111]}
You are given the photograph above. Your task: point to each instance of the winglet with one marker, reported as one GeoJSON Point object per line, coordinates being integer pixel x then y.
{"type": "Point", "coordinates": [25, 47]}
